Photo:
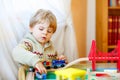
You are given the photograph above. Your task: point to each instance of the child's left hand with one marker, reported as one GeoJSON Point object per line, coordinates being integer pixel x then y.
{"type": "Point", "coordinates": [62, 57]}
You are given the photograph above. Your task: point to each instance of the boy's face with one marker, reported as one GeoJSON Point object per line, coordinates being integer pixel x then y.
{"type": "Point", "coordinates": [42, 32]}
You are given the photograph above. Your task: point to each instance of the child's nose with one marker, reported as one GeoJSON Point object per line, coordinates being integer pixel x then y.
{"type": "Point", "coordinates": [45, 31]}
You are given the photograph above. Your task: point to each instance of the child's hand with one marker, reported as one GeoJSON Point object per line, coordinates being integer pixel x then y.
{"type": "Point", "coordinates": [62, 57]}
{"type": "Point", "coordinates": [40, 67]}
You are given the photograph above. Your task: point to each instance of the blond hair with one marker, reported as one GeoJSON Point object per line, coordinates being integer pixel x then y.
{"type": "Point", "coordinates": [44, 15]}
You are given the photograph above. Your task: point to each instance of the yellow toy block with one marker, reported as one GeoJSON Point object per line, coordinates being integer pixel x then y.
{"type": "Point", "coordinates": [70, 74]}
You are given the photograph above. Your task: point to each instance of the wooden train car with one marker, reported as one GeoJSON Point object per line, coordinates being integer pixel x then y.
{"type": "Point", "coordinates": [54, 64]}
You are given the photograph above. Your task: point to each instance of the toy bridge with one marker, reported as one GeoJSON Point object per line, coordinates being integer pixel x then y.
{"type": "Point", "coordinates": [96, 55]}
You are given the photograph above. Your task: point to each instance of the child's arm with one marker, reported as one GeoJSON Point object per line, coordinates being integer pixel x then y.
{"type": "Point", "coordinates": [22, 53]}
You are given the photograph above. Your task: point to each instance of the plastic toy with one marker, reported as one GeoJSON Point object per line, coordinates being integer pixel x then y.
{"type": "Point", "coordinates": [96, 55]}
{"type": "Point", "coordinates": [49, 76]}
{"type": "Point", "coordinates": [70, 74]}
{"type": "Point", "coordinates": [58, 63]}
{"type": "Point", "coordinates": [47, 64]}
{"type": "Point", "coordinates": [54, 64]}
{"type": "Point", "coordinates": [39, 76]}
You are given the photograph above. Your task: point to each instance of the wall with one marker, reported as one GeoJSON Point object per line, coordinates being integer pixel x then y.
{"type": "Point", "coordinates": [83, 14]}
{"type": "Point", "coordinates": [79, 15]}
{"type": "Point", "coordinates": [91, 22]}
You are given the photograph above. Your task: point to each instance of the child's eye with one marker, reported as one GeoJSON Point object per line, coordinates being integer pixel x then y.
{"type": "Point", "coordinates": [49, 31]}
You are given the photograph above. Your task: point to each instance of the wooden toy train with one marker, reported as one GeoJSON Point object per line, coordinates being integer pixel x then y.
{"type": "Point", "coordinates": [54, 64]}
{"type": "Point", "coordinates": [48, 64]}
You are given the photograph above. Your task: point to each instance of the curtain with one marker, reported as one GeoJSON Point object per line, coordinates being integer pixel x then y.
{"type": "Point", "coordinates": [14, 21]}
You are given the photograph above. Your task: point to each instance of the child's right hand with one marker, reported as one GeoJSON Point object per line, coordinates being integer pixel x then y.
{"type": "Point", "coordinates": [40, 67]}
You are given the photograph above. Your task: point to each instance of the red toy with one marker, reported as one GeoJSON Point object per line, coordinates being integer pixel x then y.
{"type": "Point", "coordinates": [96, 55]}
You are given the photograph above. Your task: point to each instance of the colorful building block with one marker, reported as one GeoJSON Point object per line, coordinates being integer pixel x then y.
{"type": "Point", "coordinates": [70, 74]}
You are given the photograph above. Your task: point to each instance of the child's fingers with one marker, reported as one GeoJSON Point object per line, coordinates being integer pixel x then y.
{"type": "Point", "coordinates": [66, 61]}
{"type": "Point", "coordinates": [41, 68]}
{"type": "Point", "coordinates": [62, 57]}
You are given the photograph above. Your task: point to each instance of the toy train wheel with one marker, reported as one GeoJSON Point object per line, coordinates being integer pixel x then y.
{"type": "Point", "coordinates": [48, 67]}
{"type": "Point", "coordinates": [55, 67]}
{"type": "Point", "coordinates": [62, 65]}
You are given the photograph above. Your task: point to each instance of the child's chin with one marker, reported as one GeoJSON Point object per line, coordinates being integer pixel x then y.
{"type": "Point", "coordinates": [42, 42]}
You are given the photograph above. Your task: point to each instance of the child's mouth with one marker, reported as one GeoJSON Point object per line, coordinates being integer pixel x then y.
{"type": "Point", "coordinates": [44, 38]}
